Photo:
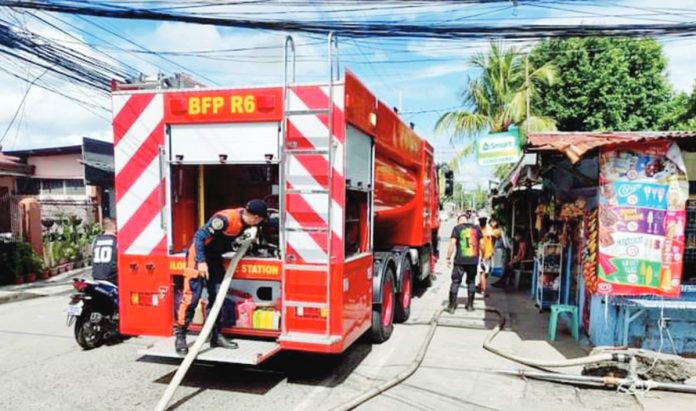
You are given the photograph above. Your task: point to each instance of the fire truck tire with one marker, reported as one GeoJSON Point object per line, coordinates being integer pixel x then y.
{"type": "Point", "coordinates": [403, 299]}
{"type": "Point", "coordinates": [383, 318]}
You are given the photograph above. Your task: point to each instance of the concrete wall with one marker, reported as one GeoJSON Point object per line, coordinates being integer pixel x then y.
{"type": "Point", "coordinates": [83, 208]}
{"type": "Point", "coordinates": [606, 327]}
{"type": "Point", "coordinates": [57, 166]}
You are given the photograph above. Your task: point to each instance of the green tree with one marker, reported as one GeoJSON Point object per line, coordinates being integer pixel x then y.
{"type": "Point", "coordinates": [496, 98]}
{"type": "Point", "coordinates": [680, 113]}
{"type": "Point", "coordinates": [604, 83]}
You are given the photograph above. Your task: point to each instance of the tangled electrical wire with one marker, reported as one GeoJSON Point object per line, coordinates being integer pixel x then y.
{"type": "Point", "coordinates": [357, 29]}
{"type": "Point", "coordinates": [65, 62]}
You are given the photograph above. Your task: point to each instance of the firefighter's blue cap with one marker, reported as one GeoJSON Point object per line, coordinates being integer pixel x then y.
{"type": "Point", "coordinates": [257, 207]}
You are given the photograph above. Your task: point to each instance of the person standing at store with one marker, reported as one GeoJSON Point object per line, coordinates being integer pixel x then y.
{"type": "Point", "coordinates": [465, 246]}
{"type": "Point", "coordinates": [487, 249]}
{"type": "Point", "coordinates": [502, 248]}
{"type": "Point", "coordinates": [515, 263]}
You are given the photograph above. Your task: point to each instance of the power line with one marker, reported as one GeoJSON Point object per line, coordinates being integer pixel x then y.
{"type": "Point", "coordinates": [378, 29]}
{"type": "Point", "coordinates": [146, 49]}
{"type": "Point", "coordinates": [21, 104]}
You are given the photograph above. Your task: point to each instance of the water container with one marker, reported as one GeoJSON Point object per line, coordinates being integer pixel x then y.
{"type": "Point", "coordinates": [245, 312]}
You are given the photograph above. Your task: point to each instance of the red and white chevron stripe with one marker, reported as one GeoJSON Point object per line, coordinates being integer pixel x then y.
{"type": "Point", "coordinates": [311, 172]}
{"type": "Point", "coordinates": [138, 131]}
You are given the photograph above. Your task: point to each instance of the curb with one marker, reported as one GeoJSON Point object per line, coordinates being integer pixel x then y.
{"type": "Point", "coordinates": [42, 288]}
{"type": "Point", "coordinates": [17, 297]}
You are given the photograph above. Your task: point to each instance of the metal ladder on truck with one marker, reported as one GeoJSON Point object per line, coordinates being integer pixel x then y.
{"type": "Point", "coordinates": [297, 191]}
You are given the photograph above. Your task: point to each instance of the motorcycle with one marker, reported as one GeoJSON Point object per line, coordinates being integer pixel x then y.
{"type": "Point", "coordinates": [94, 311]}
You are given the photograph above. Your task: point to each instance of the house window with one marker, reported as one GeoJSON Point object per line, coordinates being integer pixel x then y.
{"type": "Point", "coordinates": [28, 186]}
{"type": "Point", "coordinates": [51, 187]}
{"type": "Point", "coordinates": [74, 187]}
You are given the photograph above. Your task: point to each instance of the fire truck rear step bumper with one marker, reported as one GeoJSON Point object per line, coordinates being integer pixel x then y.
{"type": "Point", "coordinates": [309, 338]}
{"type": "Point", "coordinates": [251, 352]}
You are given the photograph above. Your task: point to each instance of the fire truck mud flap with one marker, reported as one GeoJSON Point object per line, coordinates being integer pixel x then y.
{"type": "Point", "coordinates": [250, 352]}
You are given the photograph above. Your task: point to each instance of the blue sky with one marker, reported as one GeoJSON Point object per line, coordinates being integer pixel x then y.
{"type": "Point", "coordinates": [424, 78]}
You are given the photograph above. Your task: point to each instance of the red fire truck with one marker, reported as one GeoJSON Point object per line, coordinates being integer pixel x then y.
{"type": "Point", "coordinates": [354, 188]}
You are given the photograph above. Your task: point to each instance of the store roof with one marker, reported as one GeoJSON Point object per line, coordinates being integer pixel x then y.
{"type": "Point", "coordinates": [576, 144]}
{"type": "Point", "coordinates": [47, 151]}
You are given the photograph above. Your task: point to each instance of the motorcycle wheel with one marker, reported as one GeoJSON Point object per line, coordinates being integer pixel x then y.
{"type": "Point", "coordinates": [87, 334]}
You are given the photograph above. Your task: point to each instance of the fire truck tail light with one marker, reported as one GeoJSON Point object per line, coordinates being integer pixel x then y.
{"type": "Point", "coordinates": [312, 312]}
{"type": "Point", "coordinates": [146, 299]}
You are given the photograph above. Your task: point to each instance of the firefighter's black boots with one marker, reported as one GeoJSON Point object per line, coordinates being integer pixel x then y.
{"type": "Point", "coordinates": [180, 343]}
{"type": "Point", "coordinates": [452, 306]}
{"type": "Point", "coordinates": [218, 340]}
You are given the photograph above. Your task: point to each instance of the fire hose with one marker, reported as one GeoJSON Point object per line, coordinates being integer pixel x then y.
{"type": "Point", "coordinates": [243, 243]}
{"type": "Point", "coordinates": [631, 381]}
{"type": "Point", "coordinates": [402, 376]}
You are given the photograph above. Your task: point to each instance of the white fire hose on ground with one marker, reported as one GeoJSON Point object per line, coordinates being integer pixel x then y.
{"type": "Point", "coordinates": [244, 242]}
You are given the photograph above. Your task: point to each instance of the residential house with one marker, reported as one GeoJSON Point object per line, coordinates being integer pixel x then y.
{"type": "Point", "coordinates": [70, 180]}
{"type": "Point", "coordinates": [11, 168]}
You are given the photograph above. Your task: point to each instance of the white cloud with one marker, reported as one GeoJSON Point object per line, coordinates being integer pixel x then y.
{"type": "Point", "coordinates": [261, 61]}
{"type": "Point", "coordinates": [48, 119]}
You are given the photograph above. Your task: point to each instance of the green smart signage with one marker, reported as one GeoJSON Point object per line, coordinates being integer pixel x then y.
{"type": "Point", "coordinates": [498, 148]}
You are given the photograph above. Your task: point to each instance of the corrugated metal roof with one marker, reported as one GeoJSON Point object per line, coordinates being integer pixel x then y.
{"type": "Point", "coordinates": [12, 166]}
{"type": "Point", "coordinates": [576, 144]}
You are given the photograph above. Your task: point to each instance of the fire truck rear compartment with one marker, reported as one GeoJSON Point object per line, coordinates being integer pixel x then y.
{"type": "Point", "coordinates": [197, 192]}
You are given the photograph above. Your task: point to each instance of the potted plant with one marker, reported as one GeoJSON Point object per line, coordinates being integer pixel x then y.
{"type": "Point", "coordinates": [58, 255]}
{"type": "Point", "coordinates": [39, 266]}
{"type": "Point", "coordinates": [27, 261]}
{"type": "Point", "coordinates": [18, 269]}
{"type": "Point", "coordinates": [70, 253]}
{"type": "Point", "coordinates": [20, 263]}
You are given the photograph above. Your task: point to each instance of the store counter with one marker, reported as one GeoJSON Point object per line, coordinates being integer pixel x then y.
{"type": "Point", "coordinates": [636, 320]}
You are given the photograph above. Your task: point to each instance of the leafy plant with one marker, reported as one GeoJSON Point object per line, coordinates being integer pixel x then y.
{"type": "Point", "coordinates": [37, 262]}
{"type": "Point", "coordinates": [69, 252]}
{"type": "Point", "coordinates": [22, 258]}
{"type": "Point", "coordinates": [57, 249]}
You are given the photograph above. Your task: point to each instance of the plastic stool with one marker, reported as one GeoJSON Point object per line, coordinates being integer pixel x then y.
{"type": "Point", "coordinates": [556, 310]}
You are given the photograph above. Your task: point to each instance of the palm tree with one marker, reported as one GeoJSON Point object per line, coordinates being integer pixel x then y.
{"type": "Point", "coordinates": [496, 99]}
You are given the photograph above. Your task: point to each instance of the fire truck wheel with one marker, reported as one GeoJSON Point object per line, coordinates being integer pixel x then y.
{"type": "Point", "coordinates": [383, 318]}
{"type": "Point", "coordinates": [403, 299]}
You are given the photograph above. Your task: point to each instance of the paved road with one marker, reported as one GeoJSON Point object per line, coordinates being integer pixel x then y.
{"type": "Point", "coordinates": [42, 368]}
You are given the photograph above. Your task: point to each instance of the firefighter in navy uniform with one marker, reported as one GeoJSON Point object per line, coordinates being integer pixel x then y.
{"type": "Point", "coordinates": [104, 253]}
{"type": "Point", "coordinates": [204, 266]}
